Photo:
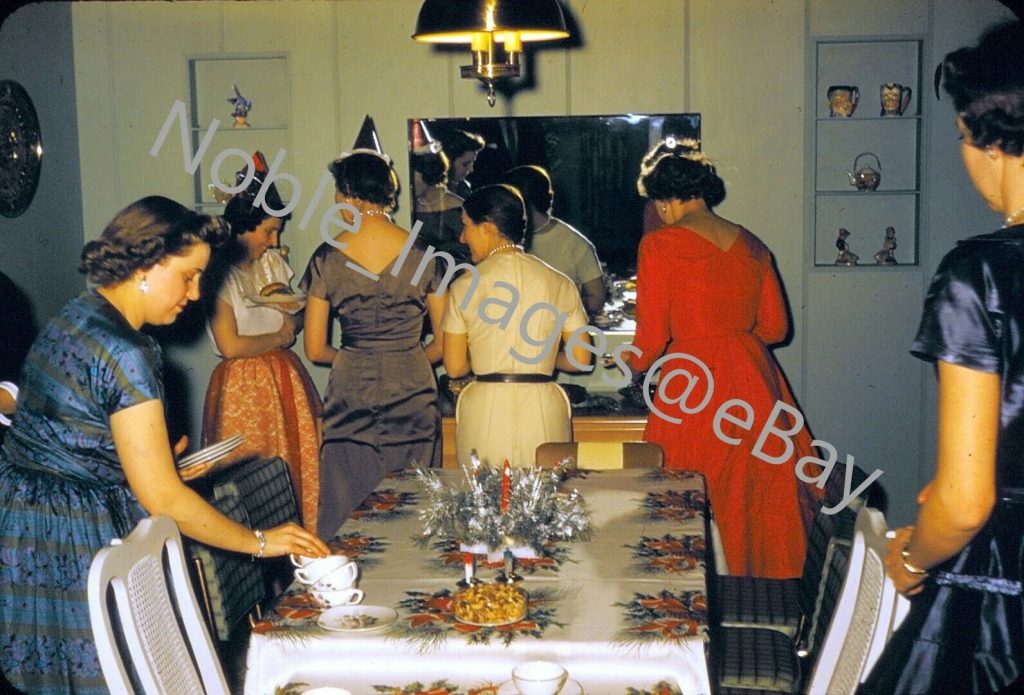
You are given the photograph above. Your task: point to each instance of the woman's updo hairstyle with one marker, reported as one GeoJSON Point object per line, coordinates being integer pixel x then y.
{"type": "Point", "coordinates": [676, 168]}
{"type": "Point", "coordinates": [987, 85]}
{"type": "Point", "coordinates": [501, 205]}
{"type": "Point", "coordinates": [432, 166]}
{"type": "Point", "coordinates": [241, 212]}
{"type": "Point", "coordinates": [145, 233]}
{"type": "Point", "coordinates": [366, 176]}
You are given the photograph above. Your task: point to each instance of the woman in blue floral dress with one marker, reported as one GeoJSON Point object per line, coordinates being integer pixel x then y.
{"type": "Point", "coordinates": [88, 455]}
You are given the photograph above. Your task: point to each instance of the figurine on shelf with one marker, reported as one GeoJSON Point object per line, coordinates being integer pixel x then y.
{"type": "Point", "coordinates": [241, 112]}
{"type": "Point", "coordinates": [885, 256]}
{"type": "Point", "coordinates": [846, 256]}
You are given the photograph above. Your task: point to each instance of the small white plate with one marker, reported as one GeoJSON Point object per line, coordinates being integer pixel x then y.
{"type": "Point", "coordinates": [212, 452]}
{"type": "Point", "coordinates": [285, 302]}
{"type": "Point", "coordinates": [357, 618]}
{"type": "Point", "coordinates": [326, 690]}
{"type": "Point", "coordinates": [571, 687]}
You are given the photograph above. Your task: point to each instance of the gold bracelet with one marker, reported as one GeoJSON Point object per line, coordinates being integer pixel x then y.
{"type": "Point", "coordinates": [262, 540]}
{"type": "Point", "coordinates": [907, 565]}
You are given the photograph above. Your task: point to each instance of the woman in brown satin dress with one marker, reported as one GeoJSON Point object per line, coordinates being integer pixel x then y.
{"type": "Point", "coordinates": [380, 408]}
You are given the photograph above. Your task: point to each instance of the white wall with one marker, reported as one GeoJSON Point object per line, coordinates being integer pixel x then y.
{"type": "Point", "coordinates": [741, 63]}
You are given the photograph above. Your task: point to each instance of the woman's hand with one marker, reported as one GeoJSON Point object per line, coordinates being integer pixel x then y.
{"type": "Point", "coordinates": [193, 472]}
{"type": "Point", "coordinates": [292, 538]}
{"type": "Point", "coordinates": [287, 332]}
{"type": "Point", "coordinates": [905, 582]}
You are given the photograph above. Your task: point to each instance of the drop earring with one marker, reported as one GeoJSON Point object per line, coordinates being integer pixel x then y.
{"type": "Point", "coordinates": [143, 285]}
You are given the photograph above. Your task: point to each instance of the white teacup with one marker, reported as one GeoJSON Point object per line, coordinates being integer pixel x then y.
{"type": "Point", "coordinates": [301, 560]}
{"type": "Point", "coordinates": [329, 598]}
{"type": "Point", "coordinates": [539, 678]}
{"type": "Point", "coordinates": [342, 571]}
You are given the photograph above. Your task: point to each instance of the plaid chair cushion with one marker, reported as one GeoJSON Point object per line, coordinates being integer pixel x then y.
{"type": "Point", "coordinates": [756, 659]}
{"type": "Point", "coordinates": [760, 602]}
{"type": "Point", "coordinates": [832, 583]}
{"type": "Point", "coordinates": [785, 604]}
{"type": "Point", "coordinates": [265, 486]}
{"type": "Point", "coordinates": [230, 584]}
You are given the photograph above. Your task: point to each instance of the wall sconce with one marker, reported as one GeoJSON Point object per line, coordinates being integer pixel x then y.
{"type": "Point", "coordinates": [494, 29]}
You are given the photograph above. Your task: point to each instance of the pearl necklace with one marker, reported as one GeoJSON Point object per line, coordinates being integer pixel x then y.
{"type": "Point", "coordinates": [1012, 218]}
{"type": "Point", "coordinates": [424, 199]}
{"type": "Point", "coordinates": [501, 247]}
{"type": "Point", "coordinates": [377, 213]}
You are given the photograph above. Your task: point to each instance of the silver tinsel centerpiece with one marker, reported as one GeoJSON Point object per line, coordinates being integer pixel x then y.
{"type": "Point", "coordinates": [499, 509]}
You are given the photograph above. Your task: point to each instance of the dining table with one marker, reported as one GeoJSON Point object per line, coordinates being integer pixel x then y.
{"type": "Point", "coordinates": [623, 610]}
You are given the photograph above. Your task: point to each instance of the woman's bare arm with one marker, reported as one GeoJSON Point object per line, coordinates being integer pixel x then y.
{"type": "Point", "coordinates": [231, 344]}
{"type": "Point", "coordinates": [140, 436]}
{"type": "Point", "coordinates": [317, 324]}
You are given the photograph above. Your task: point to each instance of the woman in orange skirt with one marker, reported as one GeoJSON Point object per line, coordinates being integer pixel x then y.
{"type": "Point", "coordinates": [261, 389]}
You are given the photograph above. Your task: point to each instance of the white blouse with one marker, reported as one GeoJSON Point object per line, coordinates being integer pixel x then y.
{"type": "Point", "coordinates": [240, 283]}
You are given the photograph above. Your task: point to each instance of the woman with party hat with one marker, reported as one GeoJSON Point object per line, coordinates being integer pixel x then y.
{"type": "Point", "coordinates": [380, 407]}
{"type": "Point", "coordinates": [438, 210]}
{"type": "Point", "coordinates": [261, 389]}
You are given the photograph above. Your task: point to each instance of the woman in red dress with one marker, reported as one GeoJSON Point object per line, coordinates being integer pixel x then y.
{"type": "Point", "coordinates": [709, 304]}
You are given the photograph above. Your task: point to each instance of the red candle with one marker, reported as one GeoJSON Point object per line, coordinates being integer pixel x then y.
{"type": "Point", "coordinates": [506, 485]}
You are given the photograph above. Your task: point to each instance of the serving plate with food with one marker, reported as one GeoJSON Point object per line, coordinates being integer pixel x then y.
{"type": "Point", "coordinates": [279, 296]}
{"type": "Point", "coordinates": [490, 604]}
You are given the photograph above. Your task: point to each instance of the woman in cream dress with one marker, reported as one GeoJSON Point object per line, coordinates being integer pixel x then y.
{"type": "Point", "coordinates": [508, 320]}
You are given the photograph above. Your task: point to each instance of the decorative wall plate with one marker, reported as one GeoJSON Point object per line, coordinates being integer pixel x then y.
{"type": "Point", "coordinates": [21, 149]}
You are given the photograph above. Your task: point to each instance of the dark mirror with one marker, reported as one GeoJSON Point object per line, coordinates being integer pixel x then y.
{"type": "Point", "coordinates": [593, 161]}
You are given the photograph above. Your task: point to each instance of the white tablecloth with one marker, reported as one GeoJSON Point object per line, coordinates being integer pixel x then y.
{"type": "Point", "coordinates": [625, 612]}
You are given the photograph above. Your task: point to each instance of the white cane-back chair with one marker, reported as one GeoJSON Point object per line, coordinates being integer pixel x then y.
{"type": "Point", "coordinates": [863, 619]}
{"type": "Point", "coordinates": [145, 618]}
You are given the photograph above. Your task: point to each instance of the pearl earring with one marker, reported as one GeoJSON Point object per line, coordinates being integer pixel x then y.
{"type": "Point", "coordinates": [143, 286]}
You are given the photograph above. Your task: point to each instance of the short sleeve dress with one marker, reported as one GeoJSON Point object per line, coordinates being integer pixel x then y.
{"type": "Point", "coordinates": [380, 407]}
{"type": "Point", "coordinates": [965, 631]}
{"type": "Point", "coordinates": [269, 398]}
{"type": "Point", "coordinates": [65, 493]}
{"type": "Point", "coordinates": [513, 318]}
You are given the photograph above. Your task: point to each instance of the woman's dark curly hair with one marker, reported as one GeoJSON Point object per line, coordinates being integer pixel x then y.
{"type": "Point", "coordinates": [676, 169]}
{"type": "Point", "coordinates": [244, 215]}
{"type": "Point", "coordinates": [502, 205]}
{"type": "Point", "coordinates": [145, 233]}
{"type": "Point", "coordinates": [987, 85]}
{"type": "Point", "coordinates": [366, 176]}
{"type": "Point", "coordinates": [433, 167]}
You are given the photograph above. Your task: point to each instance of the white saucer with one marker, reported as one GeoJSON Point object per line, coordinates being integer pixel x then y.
{"type": "Point", "coordinates": [212, 452]}
{"type": "Point", "coordinates": [291, 303]}
{"type": "Point", "coordinates": [326, 690]}
{"type": "Point", "coordinates": [357, 618]}
{"type": "Point", "coordinates": [571, 687]}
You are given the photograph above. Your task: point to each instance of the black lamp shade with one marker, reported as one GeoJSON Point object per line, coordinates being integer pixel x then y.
{"type": "Point", "coordinates": [455, 21]}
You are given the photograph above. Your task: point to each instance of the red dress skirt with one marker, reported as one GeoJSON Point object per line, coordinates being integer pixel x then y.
{"type": "Point", "coordinates": [272, 400]}
{"type": "Point", "coordinates": [717, 311]}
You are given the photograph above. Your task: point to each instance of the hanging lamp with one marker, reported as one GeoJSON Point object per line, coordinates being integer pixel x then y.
{"type": "Point", "coordinates": [495, 31]}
